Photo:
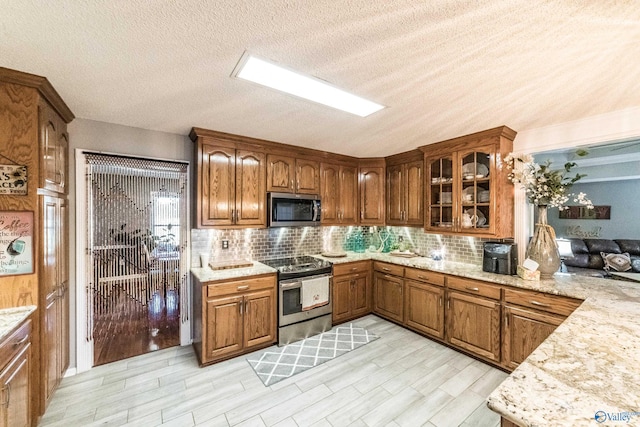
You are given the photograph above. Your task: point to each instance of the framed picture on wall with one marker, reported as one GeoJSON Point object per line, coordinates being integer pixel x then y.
{"type": "Point", "coordinates": [16, 243]}
{"type": "Point", "coordinates": [581, 212]}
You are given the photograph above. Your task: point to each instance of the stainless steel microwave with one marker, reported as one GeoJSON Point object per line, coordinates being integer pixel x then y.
{"type": "Point", "coordinates": [293, 210]}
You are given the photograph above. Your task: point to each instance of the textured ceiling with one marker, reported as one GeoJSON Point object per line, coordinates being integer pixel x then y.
{"type": "Point", "coordinates": [443, 68]}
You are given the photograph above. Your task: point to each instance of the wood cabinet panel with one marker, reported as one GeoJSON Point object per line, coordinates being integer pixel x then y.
{"type": "Point", "coordinates": [330, 190]}
{"type": "Point", "coordinates": [260, 320]}
{"type": "Point", "coordinates": [15, 410]}
{"type": "Point", "coordinates": [474, 287]}
{"type": "Point", "coordinates": [351, 291]}
{"type": "Point", "coordinates": [307, 176]}
{"type": "Point", "coordinates": [339, 189]}
{"type": "Point", "coordinates": [405, 193]}
{"type": "Point", "coordinates": [234, 317]}
{"type": "Point", "coordinates": [466, 179]}
{"type": "Point", "coordinates": [224, 326]}
{"type": "Point", "coordinates": [524, 330]}
{"type": "Point", "coordinates": [250, 189]}
{"type": "Point", "coordinates": [54, 147]}
{"type": "Point", "coordinates": [351, 267]}
{"type": "Point", "coordinates": [216, 198]}
{"type": "Point", "coordinates": [280, 173]}
{"type": "Point", "coordinates": [473, 324]}
{"type": "Point", "coordinates": [388, 296]}
{"type": "Point", "coordinates": [540, 301]}
{"type": "Point", "coordinates": [372, 196]}
{"type": "Point", "coordinates": [424, 308]}
{"type": "Point", "coordinates": [385, 267]}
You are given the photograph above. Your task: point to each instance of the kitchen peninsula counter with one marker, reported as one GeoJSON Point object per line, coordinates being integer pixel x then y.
{"type": "Point", "coordinates": [589, 365]}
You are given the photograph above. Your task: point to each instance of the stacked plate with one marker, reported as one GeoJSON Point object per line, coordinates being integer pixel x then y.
{"type": "Point", "coordinates": [474, 169]}
{"type": "Point", "coordinates": [483, 196]}
{"type": "Point", "coordinates": [445, 197]}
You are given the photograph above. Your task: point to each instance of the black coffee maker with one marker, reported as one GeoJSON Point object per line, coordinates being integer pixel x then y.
{"type": "Point", "coordinates": [500, 258]}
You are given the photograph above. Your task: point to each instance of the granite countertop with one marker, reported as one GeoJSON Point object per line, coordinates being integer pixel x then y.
{"type": "Point", "coordinates": [590, 363]}
{"type": "Point", "coordinates": [12, 317]}
{"type": "Point", "coordinates": [205, 274]}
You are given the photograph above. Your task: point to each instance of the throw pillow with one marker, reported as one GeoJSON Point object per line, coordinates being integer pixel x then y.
{"type": "Point", "coordinates": [616, 262]}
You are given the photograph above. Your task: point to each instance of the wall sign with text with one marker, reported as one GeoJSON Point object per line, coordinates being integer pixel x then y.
{"type": "Point", "coordinates": [16, 243]}
{"type": "Point", "coordinates": [13, 180]}
{"type": "Point", "coordinates": [582, 212]}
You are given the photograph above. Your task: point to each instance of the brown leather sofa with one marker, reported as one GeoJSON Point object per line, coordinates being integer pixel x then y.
{"type": "Point", "coordinates": [587, 260]}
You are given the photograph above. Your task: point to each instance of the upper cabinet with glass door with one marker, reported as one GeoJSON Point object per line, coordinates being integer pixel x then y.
{"type": "Point", "coordinates": [468, 191]}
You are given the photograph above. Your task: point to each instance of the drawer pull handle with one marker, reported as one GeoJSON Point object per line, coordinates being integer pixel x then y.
{"type": "Point", "coordinates": [21, 341]}
{"type": "Point", "coordinates": [354, 268]}
{"type": "Point", "coordinates": [472, 289]}
{"type": "Point", "coordinates": [421, 277]}
{"type": "Point", "coordinates": [386, 269]}
{"type": "Point", "coordinates": [243, 288]}
{"type": "Point", "coordinates": [539, 304]}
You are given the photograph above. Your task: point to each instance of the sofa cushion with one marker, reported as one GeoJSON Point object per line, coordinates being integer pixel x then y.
{"type": "Point", "coordinates": [630, 246]}
{"type": "Point", "coordinates": [616, 262]}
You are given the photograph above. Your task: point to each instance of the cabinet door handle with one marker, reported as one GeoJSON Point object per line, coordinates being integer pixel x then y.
{"type": "Point", "coordinates": [240, 307]}
{"type": "Point", "coordinates": [440, 301]}
{"type": "Point", "coordinates": [298, 185]}
{"type": "Point", "coordinates": [21, 341]}
{"type": "Point", "coordinates": [246, 307]}
{"type": "Point", "coordinates": [7, 399]}
{"type": "Point", "coordinates": [362, 214]}
{"type": "Point", "coordinates": [243, 287]}
{"type": "Point", "coordinates": [539, 304]}
{"type": "Point", "coordinates": [448, 303]}
{"type": "Point", "coordinates": [506, 319]}
{"type": "Point", "coordinates": [292, 184]}
{"type": "Point", "coordinates": [472, 289]}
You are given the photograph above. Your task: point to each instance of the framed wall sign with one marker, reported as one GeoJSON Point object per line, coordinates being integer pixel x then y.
{"type": "Point", "coordinates": [581, 212]}
{"type": "Point", "coordinates": [16, 243]}
{"type": "Point", "coordinates": [13, 180]}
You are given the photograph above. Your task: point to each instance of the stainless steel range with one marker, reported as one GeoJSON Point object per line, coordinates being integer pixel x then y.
{"type": "Point", "coordinates": [304, 297]}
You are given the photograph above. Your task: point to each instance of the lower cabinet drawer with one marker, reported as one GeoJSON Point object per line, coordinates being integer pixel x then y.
{"type": "Point", "coordinates": [474, 287]}
{"type": "Point", "coordinates": [541, 301]}
{"type": "Point", "coordinates": [351, 268]}
{"type": "Point", "coordinates": [383, 267]}
{"type": "Point", "coordinates": [14, 343]}
{"type": "Point", "coordinates": [241, 286]}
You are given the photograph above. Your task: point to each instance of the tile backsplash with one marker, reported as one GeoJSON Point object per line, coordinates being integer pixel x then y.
{"type": "Point", "coordinates": [267, 243]}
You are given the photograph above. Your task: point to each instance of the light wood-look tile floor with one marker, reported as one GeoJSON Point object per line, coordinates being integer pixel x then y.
{"type": "Point", "coordinates": [401, 379]}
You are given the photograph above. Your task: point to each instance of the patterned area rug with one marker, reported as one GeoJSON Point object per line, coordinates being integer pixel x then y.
{"type": "Point", "coordinates": [274, 365]}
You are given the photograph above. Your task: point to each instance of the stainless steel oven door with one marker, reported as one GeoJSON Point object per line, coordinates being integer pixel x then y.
{"type": "Point", "coordinates": [290, 302]}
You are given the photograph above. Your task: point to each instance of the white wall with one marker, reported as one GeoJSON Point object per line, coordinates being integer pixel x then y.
{"type": "Point", "coordinates": [116, 139]}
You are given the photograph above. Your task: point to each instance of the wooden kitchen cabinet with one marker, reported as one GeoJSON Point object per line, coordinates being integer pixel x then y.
{"type": "Point", "coordinates": [231, 185]}
{"type": "Point", "coordinates": [55, 284]}
{"type": "Point", "coordinates": [467, 189]}
{"type": "Point", "coordinates": [473, 317]}
{"type": "Point", "coordinates": [34, 127]}
{"type": "Point", "coordinates": [15, 378]}
{"type": "Point", "coordinates": [388, 292]}
{"type": "Point", "coordinates": [352, 291]}
{"type": "Point", "coordinates": [529, 318]}
{"type": "Point", "coordinates": [405, 184]}
{"type": "Point", "coordinates": [424, 302]}
{"type": "Point", "coordinates": [292, 175]}
{"type": "Point", "coordinates": [339, 194]}
{"type": "Point", "coordinates": [233, 317]}
{"type": "Point", "coordinates": [371, 178]}
{"type": "Point", "coordinates": [54, 148]}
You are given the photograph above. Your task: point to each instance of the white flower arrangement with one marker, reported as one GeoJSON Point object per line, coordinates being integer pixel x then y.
{"type": "Point", "coordinates": [545, 187]}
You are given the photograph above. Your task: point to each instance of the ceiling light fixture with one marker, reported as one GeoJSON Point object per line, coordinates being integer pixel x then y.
{"type": "Point", "coordinates": [268, 74]}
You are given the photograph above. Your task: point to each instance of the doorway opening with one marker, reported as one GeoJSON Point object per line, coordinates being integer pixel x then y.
{"type": "Point", "coordinates": [136, 266]}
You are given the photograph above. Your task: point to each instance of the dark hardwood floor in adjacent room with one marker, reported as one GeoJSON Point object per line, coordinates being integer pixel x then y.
{"type": "Point", "coordinates": [129, 328]}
